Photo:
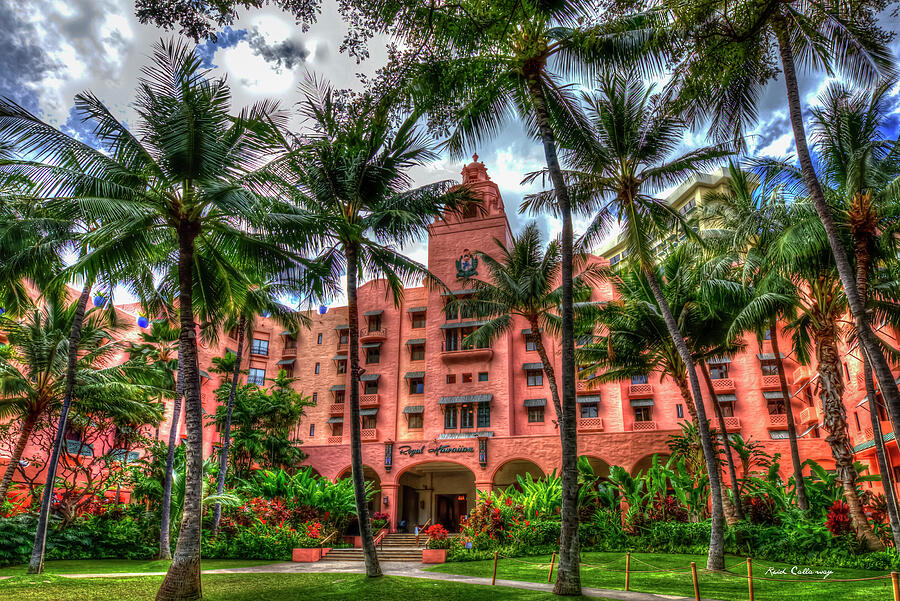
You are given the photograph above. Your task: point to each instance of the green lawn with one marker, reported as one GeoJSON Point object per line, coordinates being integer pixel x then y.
{"type": "Point", "coordinates": [116, 566]}
{"type": "Point", "coordinates": [712, 585]}
{"type": "Point", "coordinates": [271, 587]}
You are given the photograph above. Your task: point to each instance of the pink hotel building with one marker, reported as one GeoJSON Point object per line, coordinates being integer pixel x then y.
{"type": "Point", "coordinates": [440, 421]}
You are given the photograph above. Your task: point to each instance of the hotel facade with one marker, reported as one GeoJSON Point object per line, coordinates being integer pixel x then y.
{"type": "Point", "coordinates": [441, 420]}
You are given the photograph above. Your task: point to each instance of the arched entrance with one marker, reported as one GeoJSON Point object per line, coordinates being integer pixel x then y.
{"type": "Point", "coordinates": [435, 492]}
{"type": "Point", "coordinates": [644, 464]}
{"type": "Point", "coordinates": [507, 474]}
{"type": "Point", "coordinates": [598, 466]}
{"type": "Point", "coordinates": [372, 476]}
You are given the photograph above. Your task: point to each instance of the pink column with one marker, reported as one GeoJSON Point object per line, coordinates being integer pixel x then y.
{"type": "Point", "coordinates": [393, 503]}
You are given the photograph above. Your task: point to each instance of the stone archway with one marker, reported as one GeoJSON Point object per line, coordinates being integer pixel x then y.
{"type": "Point", "coordinates": [434, 492]}
{"type": "Point", "coordinates": [370, 475]}
{"type": "Point", "coordinates": [646, 461]}
{"type": "Point", "coordinates": [600, 467]}
{"type": "Point", "coordinates": [507, 474]}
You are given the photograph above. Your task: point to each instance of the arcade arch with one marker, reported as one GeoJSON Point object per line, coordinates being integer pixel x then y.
{"type": "Point", "coordinates": [435, 492]}
{"type": "Point", "coordinates": [507, 474]}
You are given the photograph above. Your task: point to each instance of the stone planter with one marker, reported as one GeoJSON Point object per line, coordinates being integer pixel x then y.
{"type": "Point", "coordinates": [306, 555]}
{"type": "Point", "coordinates": [434, 555]}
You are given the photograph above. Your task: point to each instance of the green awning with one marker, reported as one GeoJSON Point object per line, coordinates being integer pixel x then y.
{"type": "Point", "coordinates": [413, 341]}
{"type": "Point", "coordinates": [871, 443]}
{"type": "Point", "coordinates": [417, 310]}
{"type": "Point", "coordinates": [369, 377]}
{"type": "Point", "coordinates": [414, 409]}
{"type": "Point", "coordinates": [463, 324]}
{"type": "Point", "coordinates": [726, 398]}
{"type": "Point", "coordinates": [466, 398]}
{"type": "Point", "coordinates": [335, 420]}
{"type": "Point", "coordinates": [371, 345]}
{"type": "Point", "coordinates": [368, 411]}
{"type": "Point", "coordinates": [768, 356]}
{"type": "Point", "coordinates": [457, 292]}
{"type": "Point", "coordinates": [373, 313]}
{"type": "Point", "coordinates": [230, 350]}
{"type": "Point", "coordinates": [641, 402]}
{"type": "Point", "coordinates": [339, 358]}
{"type": "Point", "coordinates": [587, 399]}
{"type": "Point", "coordinates": [337, 387]}
{"type": "Point", "coordinates": [286, 361]}
{"type": "Point", "coordinates": [414, 374]}
{"type": "Point", "coordinates": [772, 394]}
{"type": "Point", "coordinates": [527, 331]}
{"type": "Point", "coordinates": [721, 360]}
{"type": "Point", "coordinates": [529, 366]}
{"type": "Point", "coordinates": [345, 326]}
{"type": "Point", "coordinates": [287, 333]}
{"type": "Point", "coordinates": [204, 374]}
{"type": "Point", "coordinates": [535, 402]}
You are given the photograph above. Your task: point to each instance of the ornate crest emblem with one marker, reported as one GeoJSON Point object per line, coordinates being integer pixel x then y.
{"type": "Point", "coordinates": [466, 265]}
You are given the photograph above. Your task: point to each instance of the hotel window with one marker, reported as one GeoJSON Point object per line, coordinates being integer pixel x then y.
{"type": "Point", "coordinates": [767, 335]}
{"type": "Point", "coordinates": [679, 411]}
{"type": "Point", "coordinates": [317, 369]}
{"type": "Point", "coordinates": [639, 379]}
{"type": "Point", "coordinates": [451, 378]}
{"type": "Point", "coordinates": [484, 415]}
{"type": "Point", "coordinates": [256, 376]}
{"type": "Point", "coordinates": [368, 422]}
{"type": "Point", "coordinates": [470, 211]}
{"type": "Point", "coordinates": [342, 366]}
{"type": "Point", "coordinates": [643, 414]}
{"type": "Point", "coordinates": [370, 387]}
{"type": "Point", "coordinates": [466, 416]}
{"type": "Point", "coordinates": [337, 429]}
{"type": "Point", "coordinates": [530, 343]}
{"type": "Point", "coordinates": [343, 339]}
{"type": "Point", "coordinates": [769, 368]}
{"type": "Point", "coordinates": [373, 355]}
{"type": "Point", "coordinates": [615, 259]}
{"type": "Point", "coordinates": [315, 398]}
{"type": "Point", "coordinates": [451, 310]}
{"type": "Point", "coordinates": [451, 340]}
{"type": "Point", "coordinates": [338, 396]}
{"type": "Point", "coordinates": [374, 323]}
{"type": "Point", "coordinates": [416, 421]}
{"type": "Point", "coordinates": [727, 408]}
{"type": "Point", "coordinates": [450, 418]}
{"type": "Point", "coordinates": [312, 429]}
{"type": "Point", "coordinates": [482, 376]}
{"type": "Point", "coordinates": [233, 333]}
{"type": "Point", "coordinates": [535, 415]}
{"type": "Point", "coordinates": [535, 377]}
{"type": "Point", "coordinates": [590, 410]}
{"type": "Point", "coordinates": [290, 342]}
{"type": "Point", "coordinates": [775, 406]}
{"type": "Point", "coordinates": [718, 371]}
{"type": "Point", "coordinates": [319, 339]}
{"type": "Point", "coordinates": [417, 352]}
{"type": "Point", "coordinates": [418, 320]}
{"type": "Point", "coordinates": [856, 417]}
{"type": "Point", "coordinates": [288, 370]}
{"type": "Point", "coordinates": [467, 378]}
{"type": "Point", "coordinates": [259, 347]}
{"type": "Point", "coordinates": [417, 386]}
{"type": "Point", "coordinates": [466, 311]}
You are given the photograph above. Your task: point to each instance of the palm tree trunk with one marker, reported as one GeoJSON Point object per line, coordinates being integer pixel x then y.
{"type": "Point", "coordinates": [27, 428]}
{"type": "Point", "coordinates": [36, 566]}
{"type": "Point", "coordinates": [716, 558]}
{"type": "Point", "coordinates": [737, 510]}
{"type": "Point", "coordinates": [373, 568]}
{"type": "Point", "coordinates": [884, 467]}
{"type": "Point", "coordinates": [548, 367]}
{"type": "Point", "coordinates": [182, 581]}
{"type": "Point", "coordinates": [868, 341]}
{"type": "Point", "coordinates": [165, 545]}
{"type": "Point", "coordinates": [831, 394]}
{"type": "Point", "coordinates": [226, 435]}
{"type": "Point", "coordinates": [799, 482]}
{"type": "Point", "coordinates": [568, 576]}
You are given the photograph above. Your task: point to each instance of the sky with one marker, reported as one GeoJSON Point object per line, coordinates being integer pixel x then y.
{"type": "Point", "coordinates": [52, 50]}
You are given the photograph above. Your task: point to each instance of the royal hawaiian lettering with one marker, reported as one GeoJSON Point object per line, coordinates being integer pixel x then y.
{"type": "Point", "coordinates": [444, 449]}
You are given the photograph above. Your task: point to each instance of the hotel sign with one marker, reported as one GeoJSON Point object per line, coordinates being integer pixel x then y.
{"type": "Point", "coordinates": [438, 449]}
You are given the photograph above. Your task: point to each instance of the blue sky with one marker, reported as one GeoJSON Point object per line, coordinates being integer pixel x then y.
{"type": "Point", "coordinates": [51, 50]}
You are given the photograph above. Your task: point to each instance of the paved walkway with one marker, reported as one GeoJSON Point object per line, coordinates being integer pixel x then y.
{"type": "Point", "coordinates": [405, 569]}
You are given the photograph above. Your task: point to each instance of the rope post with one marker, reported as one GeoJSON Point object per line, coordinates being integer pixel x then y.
{"type": "Point", "coordinates": [550, 575]}
{"type": "Point", "coordinates": [750, 577]}
{"type": "Point", "coordinates": [895, 580]}
{"type": "Point", "coordinates": [627, 568]}
{"type": "Point", "coordinates": [494, 577]}
{"type": "Point", "coordinates": [696, 583]}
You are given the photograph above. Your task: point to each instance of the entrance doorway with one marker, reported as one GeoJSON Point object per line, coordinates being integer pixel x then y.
{"type": "Point", "coordinates": [436, 492]}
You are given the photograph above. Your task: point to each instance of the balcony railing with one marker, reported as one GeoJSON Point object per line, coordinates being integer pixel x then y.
{"type": "Point", "coordinates": [810, 415]}
{"type": "Point", "coordinates": [640, 390]}
{"type": "Point", "coordinates": [723, 385]}
{"type": "Point", "coordinates": [769, 382]}
{"type": "Point", "coordinates": [336, 409]}
{"type": "Point", "coordinates": [367, 335]}
{"type": "Point", "coordinates": [335, 439]}
{"type": "Point", "coordinates": [643, 426]}
{"type": "Point", "coordinates": [368, 400]}
{"type": "Point", "coordinates": [289, 351]}
{"type": "Point", "coordinates": [369, 434]}
{"type": "Point", "coordinates": [590, 424]}
{"type": "Point", "coordinates": [466, 353]}
{"type": "Point", "coordinates": [732, 424]}
{"type": "Point", "coordinates": [777, 420]}
{"type": "Point", "coordinates": [586, 385]}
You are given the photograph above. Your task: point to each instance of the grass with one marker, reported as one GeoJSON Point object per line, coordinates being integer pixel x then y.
{"type": "Point", "coordinates": [117, 566]}
{"type": "Point", "coordinates": [712, 585]}
{"type": "Point", "coordinates": [271, 587]}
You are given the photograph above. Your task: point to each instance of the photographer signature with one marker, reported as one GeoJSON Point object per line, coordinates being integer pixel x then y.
{"type": "Point", "coordinates": [798, 571]}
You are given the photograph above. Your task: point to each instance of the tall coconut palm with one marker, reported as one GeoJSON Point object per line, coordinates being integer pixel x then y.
{"type": "Point", "coordinates": [742, 221]}
{"type": "Point", "coordinates": [523, 281]}
{"type": "Point", "coordinates": [621, 160]}
{"type": "Point", "coordinates": [730, 56]}
{"type": "Point", "coordinates": [353, 204]}
{"type": "Point", "coordinates": [180, 197]}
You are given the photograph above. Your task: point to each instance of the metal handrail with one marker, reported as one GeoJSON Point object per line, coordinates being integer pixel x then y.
{"type": "Point", "coordinates": [379, 538]}
{"type": "Point", "coordinates": [425, 525]}
{"type": "Point", "coordinates": [327, 538]}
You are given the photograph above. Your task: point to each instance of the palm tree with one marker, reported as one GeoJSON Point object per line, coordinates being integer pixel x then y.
{"type": "Point", "coordinates": [523, 282]}
{"type": "Point", "coordinates": [352, 205]}
{"type": "Point", "coordinates": [741, 223]}
{"type": "Point", "coordinates": [621, 160]}
{"type": "Point", "coordinates": [729, 58]}
{"type": "Point", "coordinates": [182, 198]}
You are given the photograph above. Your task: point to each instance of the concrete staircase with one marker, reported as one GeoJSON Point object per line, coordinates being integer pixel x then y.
{"type": "Point", "coordinates": [394, 547]}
